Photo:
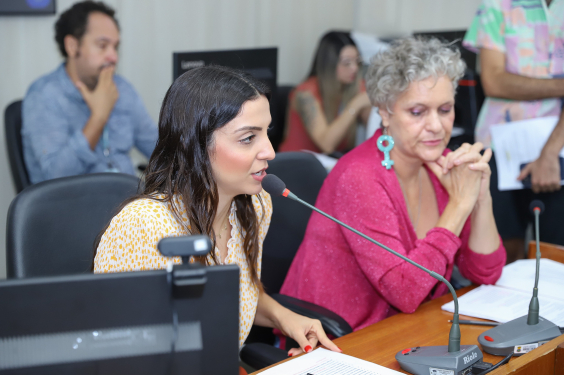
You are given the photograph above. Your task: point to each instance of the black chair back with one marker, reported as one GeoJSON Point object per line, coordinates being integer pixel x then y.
{"type": "Point", "coordinates": [13, 135]}
{"type": "Point", "coordinates": [52, 225]}
{"type": "Point", "coordinates": [279, 103]}
{"type": "Point", "coordinates": [303, 175]}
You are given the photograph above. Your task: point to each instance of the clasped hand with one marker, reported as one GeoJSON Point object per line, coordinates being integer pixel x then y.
{"type": "Point", "coordinates": [465, 174]}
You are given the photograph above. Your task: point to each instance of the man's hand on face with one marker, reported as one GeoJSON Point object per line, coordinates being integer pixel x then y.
{"type": "Point", "coordinates": [545, 173]}
{"type": "Point", "coordinates": [102, 99]}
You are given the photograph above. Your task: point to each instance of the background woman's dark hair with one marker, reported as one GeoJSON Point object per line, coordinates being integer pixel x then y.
{"type": "Point", "coordinates": [74, 21]}
{"type": "Point", "coordinates": [324, 67]}
{"type": "Point", "coordinates": [198, 103]}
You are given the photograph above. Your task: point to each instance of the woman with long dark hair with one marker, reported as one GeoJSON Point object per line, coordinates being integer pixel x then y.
{"type": "Point", "coordinates": [326, 108]}
{"type": "Point", "coordinates": [204, 177]}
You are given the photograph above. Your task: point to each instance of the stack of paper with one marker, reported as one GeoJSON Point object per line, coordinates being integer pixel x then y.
{"type": "Point", "coordinates": [509, 298]}
{"type": "Point", "coordinates": [326, 362]}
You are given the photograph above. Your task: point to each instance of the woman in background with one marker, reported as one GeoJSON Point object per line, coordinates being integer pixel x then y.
{"type": "Point", "coordinates": [204, 177]}
{"type": "Point", "coordinates": [325, 109]}
{"type": "Point", "coordinates": [405, 189]}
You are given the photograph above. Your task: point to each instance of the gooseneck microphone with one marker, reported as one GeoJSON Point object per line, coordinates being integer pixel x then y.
{"type": "Point", "coordinates": [417, 360]}
{"type": "Point", "coordinates": [536, 207]}
{"type": "Point", "coordinates": [521, 335]}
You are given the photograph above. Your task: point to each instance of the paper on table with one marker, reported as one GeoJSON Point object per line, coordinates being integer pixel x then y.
{"type": "Point", "coordinates": [520, 275]}
{"type": "Point", "coordinates": [503, 304]}
{"type": "Point", "coordinates": [326, 362]}
{"type": "Point", "coordinates": [516, 143]}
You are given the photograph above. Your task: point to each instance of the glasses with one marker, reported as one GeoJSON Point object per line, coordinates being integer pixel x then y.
{"type": "Point", "coordinates": [347, 63]}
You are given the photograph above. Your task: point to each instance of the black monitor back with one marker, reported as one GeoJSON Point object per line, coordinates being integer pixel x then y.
{"type": "Point", "coordinates": [261, 63]}
{"type": "Point", "coordinates": [120, 324]}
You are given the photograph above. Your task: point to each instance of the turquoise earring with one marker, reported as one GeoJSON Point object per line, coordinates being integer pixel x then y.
{"type": "Point", "coordinates": [387, 162]}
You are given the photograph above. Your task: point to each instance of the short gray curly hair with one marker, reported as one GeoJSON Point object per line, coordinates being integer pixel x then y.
{"type": "Point", "coordinates": [409, 60]}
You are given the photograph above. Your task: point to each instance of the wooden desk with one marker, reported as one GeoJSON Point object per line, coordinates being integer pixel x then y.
{"type": "Point", "coordinates": [429, 326]}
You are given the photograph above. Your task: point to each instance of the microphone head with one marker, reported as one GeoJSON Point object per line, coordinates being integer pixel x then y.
{"type": "Point", "coordinates": [273, 185]}
{"type": "Point", "coordinates": [536, 204]}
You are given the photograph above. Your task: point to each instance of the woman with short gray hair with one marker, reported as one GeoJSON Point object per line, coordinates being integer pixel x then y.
{"type": "Point", "coordinates": [405, 189]}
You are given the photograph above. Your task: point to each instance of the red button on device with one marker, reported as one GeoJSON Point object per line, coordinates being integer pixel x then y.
{"type": "Point", "coordinates": [488, 338]}
{"type": "Point", "coordinates": [406, 351]}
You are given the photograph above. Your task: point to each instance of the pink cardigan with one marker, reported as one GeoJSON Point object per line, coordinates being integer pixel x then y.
{"type": "Point", "coordinates": [358, 280]}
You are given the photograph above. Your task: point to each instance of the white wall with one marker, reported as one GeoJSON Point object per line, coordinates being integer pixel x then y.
{"type": "Point", "coordinates": [152, 29]}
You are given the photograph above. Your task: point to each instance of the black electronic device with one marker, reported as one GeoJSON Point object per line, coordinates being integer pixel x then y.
{"type": "Point", "coordinates": [185, 246]}
{"type": "Point", "coordinates": [261, 63]}
{"type": "Point", "coordinates": [27, 7]}
{"type": "Point", "coordinates": [148, 322]}
{"type": "Point", "coordinates": [453, 359]}
{"type": "Point", "coordinates": [521, 335]}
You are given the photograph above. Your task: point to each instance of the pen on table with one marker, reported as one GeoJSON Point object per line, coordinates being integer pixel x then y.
{"type": "Point", "coordinates": [476, 323]}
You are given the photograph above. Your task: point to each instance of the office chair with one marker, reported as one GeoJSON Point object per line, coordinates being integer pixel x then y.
{"type": "Point", "coordinates": [52, 225]}
{"type": "Point", "coordinates": [279, 103]}
{"type": "Point", "coordinates": [304, 176]}
{"type": "Point", "coordinates": [548, 251]}
{"type": "Point", "coordinates": [13, 128]}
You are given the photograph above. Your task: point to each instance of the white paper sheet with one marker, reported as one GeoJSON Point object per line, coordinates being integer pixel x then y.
{"type": "Point", "coordinates": [326, 362]}
{"type": "Point", "coordinates": [516, 143]}
{"type": "Point", "coordinates": [520, 275]}
{"type": "Point", "coordinates": [502, 305]}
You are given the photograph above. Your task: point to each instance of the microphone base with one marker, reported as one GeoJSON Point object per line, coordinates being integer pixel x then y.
{"type": "Point", "coordinates": [422, 360]}
{"type": "Point", "coordinates": [517, 337]}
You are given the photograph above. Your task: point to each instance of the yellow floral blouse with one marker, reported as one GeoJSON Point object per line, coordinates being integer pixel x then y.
{"type": "Point", "coordinates": [130, 244]}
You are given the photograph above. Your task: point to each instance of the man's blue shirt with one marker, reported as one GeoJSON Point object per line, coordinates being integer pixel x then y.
{"type": "Point", "coordinates": [54, 114]}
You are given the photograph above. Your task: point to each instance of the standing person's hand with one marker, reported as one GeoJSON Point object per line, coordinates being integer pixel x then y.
{"type": "Point", "coordinates": [545, 173]}
{"type": "Point", "coordinates": [102, 99]}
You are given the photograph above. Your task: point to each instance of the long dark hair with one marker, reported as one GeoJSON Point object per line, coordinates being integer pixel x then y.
{"type": "Point", "coordinates": [324, 67]}
{"type": "Point", "coordinates": [198, 103]}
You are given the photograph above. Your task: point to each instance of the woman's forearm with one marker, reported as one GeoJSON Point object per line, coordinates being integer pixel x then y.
{"type": "Point", "coordinates": [269, 312]}
{"type": "Point", "coordinates": [329, 137]}
{"type": "Point", "coordinates": [454, 216]}
{"type": "Point", "coordinates": [484, 237]}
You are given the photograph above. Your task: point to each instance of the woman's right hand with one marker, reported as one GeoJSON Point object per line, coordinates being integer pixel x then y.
{"type": "Point", "coordinates": [462, 184]}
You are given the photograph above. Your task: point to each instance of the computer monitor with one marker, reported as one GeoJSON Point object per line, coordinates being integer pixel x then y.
{"type": "Point", "coordinates": [121, 323]}
{"type": "Point", "coordinates": [27, 7]}
{"type": "Point", "coordinates": [261, 63]}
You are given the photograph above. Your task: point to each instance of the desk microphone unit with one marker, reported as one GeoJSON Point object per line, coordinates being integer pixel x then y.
{"type": "Point", "coordinates": [452, 359]}
{"type": "Point", "coordinates": [521, 335]}
{"type": "Point", "coordinates": [184, 320]}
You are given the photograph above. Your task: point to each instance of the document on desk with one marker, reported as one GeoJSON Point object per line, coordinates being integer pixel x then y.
{"type": "Point", "coordinates": [326, 362]}
{"type": "Point", "coordinates": [520, 275]}
{"type": "Point", "coordinates": [509, 298]}
{"type": "Point", "coordinates": [517, 143]}
{"type": "Point", "coordinates": [502, 305]}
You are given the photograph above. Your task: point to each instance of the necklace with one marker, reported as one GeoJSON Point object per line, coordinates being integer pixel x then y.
{"type": "Point", "coordinates": [224, 226]}
{"type": "Point", "coordinates": [416, 221]}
